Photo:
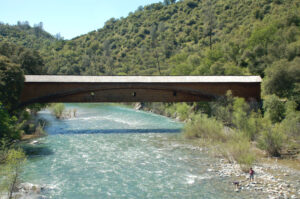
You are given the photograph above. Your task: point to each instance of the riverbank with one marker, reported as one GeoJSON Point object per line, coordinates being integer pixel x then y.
{"type": "Point", "coordinates": [277, 178]}
{"type": "Point", "coordinates": [277, 181]}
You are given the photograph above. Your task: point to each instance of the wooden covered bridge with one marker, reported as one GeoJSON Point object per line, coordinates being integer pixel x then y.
{"type": "Point", "coordinates": [48, 88]}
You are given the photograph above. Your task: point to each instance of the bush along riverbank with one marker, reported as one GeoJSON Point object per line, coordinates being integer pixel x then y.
{"type": "Point", "coordinates": [33, 128]}
{"type": "Point", "coordinates": [245, 134]}
{"type": "Point", "coordinates": [60, 112]}
{"type": "Point", "coordinates": [16, 127]}
{"type": "Point", "coordinates": [11, 162]}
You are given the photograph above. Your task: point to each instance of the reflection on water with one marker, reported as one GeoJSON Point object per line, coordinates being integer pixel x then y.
{"type": "Point", "coordinates": [33, 150]}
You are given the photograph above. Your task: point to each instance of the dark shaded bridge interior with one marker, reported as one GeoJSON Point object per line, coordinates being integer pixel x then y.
{"type": "Point", "coordinates": [45, 88]}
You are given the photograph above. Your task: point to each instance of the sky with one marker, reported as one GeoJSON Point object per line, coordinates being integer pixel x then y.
{"type": "Point", "coordinates": [70, 18]}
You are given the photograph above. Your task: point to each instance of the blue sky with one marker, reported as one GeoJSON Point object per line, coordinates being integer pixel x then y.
{"type": "Point", "coordinates": [70, 18]}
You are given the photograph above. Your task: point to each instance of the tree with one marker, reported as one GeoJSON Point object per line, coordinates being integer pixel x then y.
{"type": "Point", "coordinates": [263, 35]}
{"type": "Point", "coordinates": [282, 79]}
{"type": "Point", "coordinates": [140, 8]}
{"type": "Point", "coordinates": [7, 125]}
{"type": "Point", "coordinates": [154, 43]}
{"type": "Point", "coordinates": [274, 108]}
{"type": "Point", "coordinates": [191, 4]}
{"type": "Point", "coordinates": [38, 29]}
{"type": "Point", "coordinates": [58, 36]}
{"type": "Point", "coordinates": [31, 62]}
{"type": "Point", "coordinates": [278, 79]}
{"type": "Point", "coordinates": [272, 139]}
{"type": "Point", "coordinates": [167, 2]}
{"type": "Point", "coordinates": [11, 83]}
{"type": "Point", "coordinates": [211, 21]}
{"type": "Point", "coordinates": [15, 158]}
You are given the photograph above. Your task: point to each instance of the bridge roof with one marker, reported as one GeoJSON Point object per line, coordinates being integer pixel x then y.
{"type": "Point", "coordinates": [141, 79]}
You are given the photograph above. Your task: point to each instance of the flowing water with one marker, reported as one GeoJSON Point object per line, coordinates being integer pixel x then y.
{"type": "Point", "coordinates": [115, 152]}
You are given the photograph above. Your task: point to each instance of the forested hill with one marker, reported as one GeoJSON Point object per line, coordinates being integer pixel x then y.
{"type": "Point", "coordinates": [188, 37]}
{"type": "Point", "coordinates": [23, 34]}
{"type": "Point", "coordinates": [174, 38]}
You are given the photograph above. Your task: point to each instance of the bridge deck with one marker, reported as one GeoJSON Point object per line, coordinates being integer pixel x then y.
{"type": "Point", "coordinates": [46, 88]}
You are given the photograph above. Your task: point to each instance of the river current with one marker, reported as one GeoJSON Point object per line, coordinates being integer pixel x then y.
{"type": "Point", "coordinates": [109, 151]}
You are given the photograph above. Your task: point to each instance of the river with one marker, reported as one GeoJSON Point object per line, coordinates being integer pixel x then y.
{"type": "Point", "coordinates": [110, 151]}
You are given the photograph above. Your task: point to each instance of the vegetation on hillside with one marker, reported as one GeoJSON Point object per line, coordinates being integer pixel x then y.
{"type": "Point", "coordinates": [22, 34]}
{"type": "Point", "coordinates": [187, 37]}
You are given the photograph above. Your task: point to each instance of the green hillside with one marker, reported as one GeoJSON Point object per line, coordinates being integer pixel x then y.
{"type": "Point", "coordinates": [244, 37]}
{"type": "Point", "coordinates": [189, 37]}
{"type": "Point", "coordinates": [193, 38]}
{"type": "Point", "coordinates": [23, 34]}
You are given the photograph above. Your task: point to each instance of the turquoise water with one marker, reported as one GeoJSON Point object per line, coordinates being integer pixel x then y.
{"type": "Point", "coordinates": [115, 152]}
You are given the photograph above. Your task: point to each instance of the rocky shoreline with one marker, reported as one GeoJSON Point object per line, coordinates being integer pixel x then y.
{"type": "Point", "coordinates": [28, 190]}
{"type": "Point", "coordinates": [285, 183]}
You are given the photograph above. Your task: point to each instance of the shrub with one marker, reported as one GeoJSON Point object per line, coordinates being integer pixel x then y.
{"type": "Point", "coordinates": [8, 125]}
{"type": "Point", "coordinates": [203, 127]}
{"type": "Point", "coordinates": [179, 110]}
{"type": "Point", "coordinates": [183, 110]}
{"type": "Point", "coordinates": [39, 128]}
{"type": "Point", "coordinates": [272, 139]}
{"type": "Point", "coordinates": [291, 124]}
{"type": "Point", "coordinates": [238, 149]}
{"type": "Point", "coordinates": [223, 107]}
{"type": "Point", "coordinates": [15, 158]}
{"type": "Point", "coordinates": [254, 125]}
{"type": "Point", "coordinates": [274, 108]}
{"type": "Point", "coordinates": [4, 143]}
{"type": "Point", "coordinates": [279, 79]}
{"type": "Point", "coordinates": [58, 109]}
{"type": "Point", "coordinates": [239, 115]}
{"type": "Point", "coordinates": [250, 124]}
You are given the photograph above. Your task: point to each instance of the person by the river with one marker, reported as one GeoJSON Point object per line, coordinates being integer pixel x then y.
{"type": "Point", "coordinates": [251, 174]}
{"type": "Point", "coordinates": [236, 184]}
